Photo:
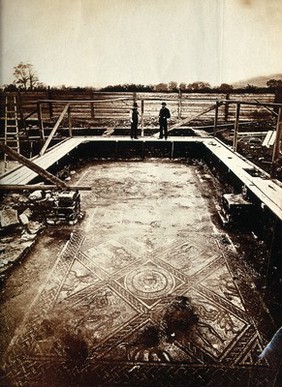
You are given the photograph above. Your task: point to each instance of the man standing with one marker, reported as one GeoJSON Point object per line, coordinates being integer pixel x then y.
{"type": "Point", "coordinates": [134, 121]}
{"type": "Point", "coordinates": [163, 117]}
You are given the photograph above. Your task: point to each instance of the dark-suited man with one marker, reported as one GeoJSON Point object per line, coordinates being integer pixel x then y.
{"type": "Point", "coordinates": [163, 117]}
{"type": "Point", "coordinates": [134, 121]}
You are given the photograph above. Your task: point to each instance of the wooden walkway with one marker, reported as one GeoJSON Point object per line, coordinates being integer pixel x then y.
{"type": "Point", "coordinates": [23, 175]}
{"type": "Point", "coordinates": [266, 190]}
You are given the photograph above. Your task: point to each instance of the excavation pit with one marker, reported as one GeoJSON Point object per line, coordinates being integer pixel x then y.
{"type": "Point", "coordinates": [150, 235]}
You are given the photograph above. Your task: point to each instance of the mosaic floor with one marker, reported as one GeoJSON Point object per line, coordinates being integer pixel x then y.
{"type": "Point", "coordinates": [147, 292]}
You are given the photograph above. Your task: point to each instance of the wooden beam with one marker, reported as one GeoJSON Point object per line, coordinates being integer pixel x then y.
{"type": "Point", "coordinates": [69, 121]}
{"type": "Point", "coordinates": [30, 114]}
{"type": "Point", "coordinates": [50, 103]}
{"type": "Point", "coordinates": [81, 101]}
{"type": "Point", "coordinates": [188, 119]}
{"type": "Point", "coordinates": [35, 187]}
{"type": "Point", "coordinates": [226, 125]}
{"type": "Point", "coordinates": [92, 111]}
{"type": "Point", "coordinates": [273, 104]}
{"type": "Point", "coordinates": [53, 131]}
{"type": "Point", "coordinates": [236, 128]}
{"type": "Point", "coordinates": [267, 108]}
{"type": "Point", "coordinates": [31, 165]}
{"type": "Point", "coordinates": [40, 119]}
{"type": "Point", "coordinates": [225, 101]}
{"type": "Point", "coordinates": [226, 108]}
{"type": "Point", "coordinates": [179, 105]}
{"type": "Point", "coordinates": [215, 118]}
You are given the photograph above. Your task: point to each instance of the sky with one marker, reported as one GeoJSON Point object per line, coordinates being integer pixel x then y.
{"type": "Point", "coordinates": [107, 42]}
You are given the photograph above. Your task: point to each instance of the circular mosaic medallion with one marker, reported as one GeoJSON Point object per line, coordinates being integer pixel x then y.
{"type": "Point", "coordinates": [149, 282]}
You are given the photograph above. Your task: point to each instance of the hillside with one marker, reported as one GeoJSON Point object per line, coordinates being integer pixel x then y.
{"type": "Point", "coordinates": [257, 81]}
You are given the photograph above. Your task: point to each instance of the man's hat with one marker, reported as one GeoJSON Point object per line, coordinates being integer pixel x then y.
{"type": "Point", "coordinates": [163, 103]}
{"type": "Point", "coordinates": [135, 104]}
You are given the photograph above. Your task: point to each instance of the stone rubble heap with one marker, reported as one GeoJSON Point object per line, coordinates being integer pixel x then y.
{"type": "Point", "coordinates": [24, 215]}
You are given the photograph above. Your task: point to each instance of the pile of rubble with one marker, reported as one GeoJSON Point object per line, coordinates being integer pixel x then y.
{"type": "Point", "coordinates": [24, 215]}
{"type": "Point", "coordinates": [56, 207]}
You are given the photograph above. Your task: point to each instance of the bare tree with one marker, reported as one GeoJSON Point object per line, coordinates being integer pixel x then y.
{"type": "Point", "coordinates": [25, 76]}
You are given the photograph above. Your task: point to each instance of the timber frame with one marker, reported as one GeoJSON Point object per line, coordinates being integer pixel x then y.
{"type": "Point", "coordinates": [66, 111]}
{"type": "Point", "coordinates": [215, 106]}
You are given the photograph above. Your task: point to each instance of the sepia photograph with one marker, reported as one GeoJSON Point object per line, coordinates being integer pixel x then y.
{"type": "Point", "coordinates": [141, 193]}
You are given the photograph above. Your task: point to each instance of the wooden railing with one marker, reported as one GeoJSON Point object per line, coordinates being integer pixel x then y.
{"type": "Point", "coordinates": [180, 121]}
{"type": "Point", "coordinates": [101, 106]}
{"type": "Point", "coordinates": [114, 108]}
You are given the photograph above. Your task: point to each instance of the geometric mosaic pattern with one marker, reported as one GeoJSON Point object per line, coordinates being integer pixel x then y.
{"type": "Point", "coordinates": [147, 245]}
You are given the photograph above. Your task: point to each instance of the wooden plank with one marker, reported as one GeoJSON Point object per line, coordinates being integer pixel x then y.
{"type": "Point", "coordinates": [215, 122]}
{"type": "Point", "coordinates": [268, 137]}
{"type": "Point", "coordinates": [53, 131]}
{"type": "Point", "coordinates": [23, 175]}
{"type": "Point", "coordinates": [30, 114]}
{"type": "Point", "coordinates": [264, 188]}
{"type": "Point", "coordinates": [69, 122]}
{"type": "Point", "coordinates": [229, 101]}
{"type": "Point", "coordinates": [34, 187]}
{"type": "Point", "coordinates": [82, 100]}
{"type": "Point", "coordinates": [28, 163]}
{"type": "Point", "coordinates": [189, 119]}
{"type": "Point", "coordinates": [236, 128]}
{"type": "Point", "coordinates": [40, 119]}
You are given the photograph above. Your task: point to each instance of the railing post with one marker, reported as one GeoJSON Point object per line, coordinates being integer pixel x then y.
{"type": "Point", "coordinates": [69, 121]}
{"type": "Point", "coordinates": [215, 118]}
{"type": "Point", "coordinates": [226, 110]}
{"type": "Point", "coordinates": [50, 103]}
{"type": "Point", "coordinates": [236, 127]}
{"type": "Point", "coordinates": [19, 104]}
{"type": "Point", "coordinates": [40, 119]}
{"type": "Point", "coordinates": [179, 105]}
{"type": "Point", "coordinates": [277, 144]}
{"type": "Point", "coordinates": [142, 117]}
{"type": "Point", "coordinates": [92, 111]}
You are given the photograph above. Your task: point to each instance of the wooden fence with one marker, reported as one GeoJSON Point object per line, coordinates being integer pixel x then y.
{"type": "Point", "coordinates": [115, 106]}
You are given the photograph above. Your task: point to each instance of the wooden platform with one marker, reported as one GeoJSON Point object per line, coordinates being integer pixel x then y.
{"type": "Point", "coordinates": [23, 175]}
{"type": "Point", "coordinates": [268, 191]}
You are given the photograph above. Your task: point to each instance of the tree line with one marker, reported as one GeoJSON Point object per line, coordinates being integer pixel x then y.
{"type": "Point", "coordinates": [26, 79]}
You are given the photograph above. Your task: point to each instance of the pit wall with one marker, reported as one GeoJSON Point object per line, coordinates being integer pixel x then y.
{"type": "Point", "coordinates": [124, 150]}
{"type": "Point", "coordinates": [139, 150]}
{"type": "Point", "coordinates": [264, 228]}
{"type": "Point", "coordinates": [262, 220]}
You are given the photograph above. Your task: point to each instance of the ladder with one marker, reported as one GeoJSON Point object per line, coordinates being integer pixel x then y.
{"type": "Point", "coordinates": [11, 127]}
